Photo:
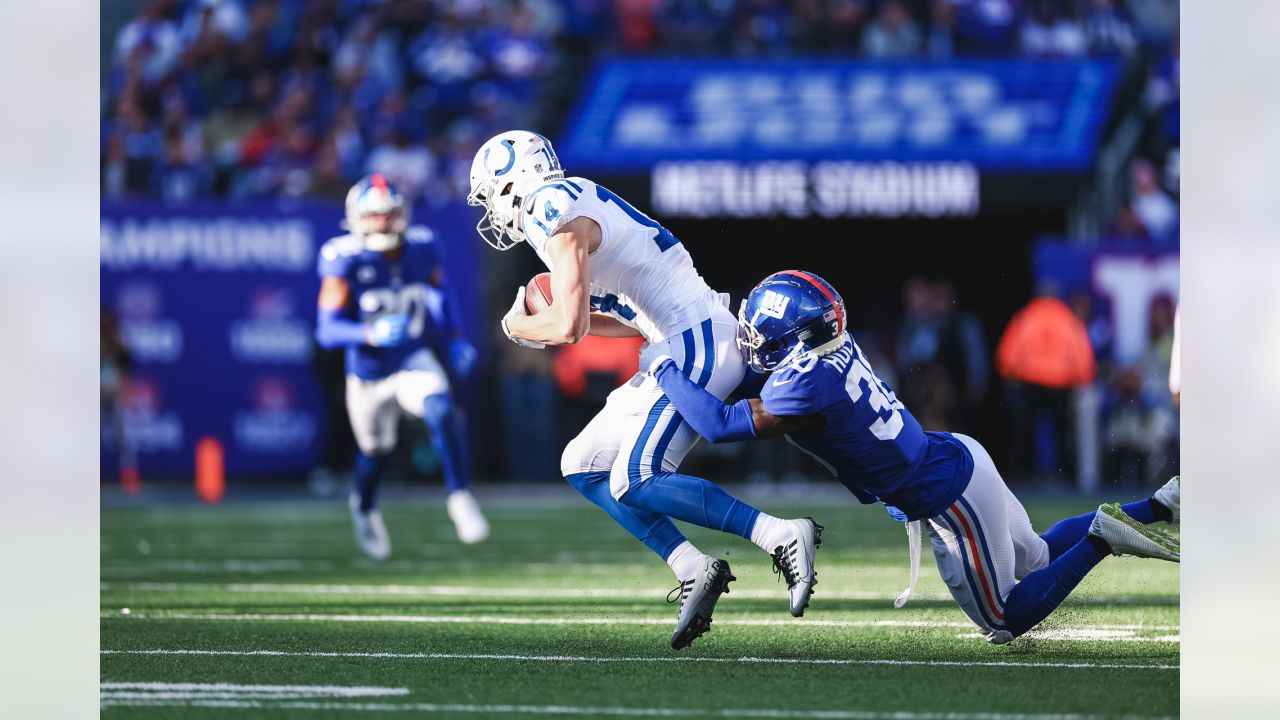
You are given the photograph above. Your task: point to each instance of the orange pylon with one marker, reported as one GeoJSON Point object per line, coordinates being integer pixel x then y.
{"type": "Point", "coordinates": [211, 473]}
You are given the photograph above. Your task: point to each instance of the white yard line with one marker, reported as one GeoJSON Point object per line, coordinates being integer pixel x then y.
{"type": "Point", "coordinates": [1098, 632]}
{"type": "Point", "coordinates": [662, 658]}
{"type": "Point", "coordinates": [626, 711]}
{"type": "Point", "coordinates": [525, 592]}
{"type": "Point", "coordinates": [330, 690]}
{"type": "Point", "coordinates": [1094, 634]}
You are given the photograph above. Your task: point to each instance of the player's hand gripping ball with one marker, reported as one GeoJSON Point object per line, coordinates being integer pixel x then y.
{"type": "Point", "coordinates": [537, 294]}
{"type": "Point", "coordinates": [519, 308]}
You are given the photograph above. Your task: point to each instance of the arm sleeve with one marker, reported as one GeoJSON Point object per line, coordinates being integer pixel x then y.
{"type": "Point", "coordinates": [451, 311]}
{"type": "Point", "coordinates": [333, 329]}
{"type": "Point", "coordinates": [705, 413]}
{"type": "Point", "coordinates": [449, 316]}
{"type": "Point", "coordinates": [751, 386]}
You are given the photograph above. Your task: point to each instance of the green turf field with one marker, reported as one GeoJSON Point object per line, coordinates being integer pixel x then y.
{"type": "Point", "coordinates": [267, 611]}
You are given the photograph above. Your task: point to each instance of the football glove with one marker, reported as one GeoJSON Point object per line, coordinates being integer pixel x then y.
{"type": "Point", "coordinates": [462, 356]}
{"type": "Point", "coordinates": [518, 309]}
{"type": "Point", "coordinates": [389, 330]}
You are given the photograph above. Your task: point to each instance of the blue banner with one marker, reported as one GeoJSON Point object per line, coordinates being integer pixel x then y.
{"type": "Point", "coordinates": [1120, 279]}
{"type": "Point", "coordinates": [216, 305]}
{"type": "Point", "coordinates": [1008, 115]}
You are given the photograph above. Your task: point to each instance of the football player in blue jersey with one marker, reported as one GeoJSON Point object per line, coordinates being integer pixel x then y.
{"type": "Point", "coordinates": [381, 294]}
{"type": "Point", "coordinates": [821, 393]}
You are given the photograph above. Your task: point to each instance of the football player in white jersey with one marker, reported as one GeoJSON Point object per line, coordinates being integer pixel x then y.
{"type": "Point", "coordinates": [615, 272]}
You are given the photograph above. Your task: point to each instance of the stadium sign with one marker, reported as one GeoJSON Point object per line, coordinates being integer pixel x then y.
{"type": "Point", "coordinates": [826, 189]}
{"type": "Point", "coordinates": [1008, 116]}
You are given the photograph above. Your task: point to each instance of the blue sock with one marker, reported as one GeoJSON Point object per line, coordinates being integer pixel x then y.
{"type": "Point", "coordinates": [1042, 591]}
{"type": "Point", "coordinates": [692, 500]}
{"type": "Point", "coordinates": [1141, 511]}
{"type": "Point", "coordinates": [1066, 533]}
{"type": "Point", "coordinates": [658, 533]}
{"type": "Point", "coordinates": [447, 438]}
{"type": "Point", "coordinates": [368, 471]}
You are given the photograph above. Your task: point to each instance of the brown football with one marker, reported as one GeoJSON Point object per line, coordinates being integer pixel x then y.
{"type": "Point", "coordinates": [537, 294]}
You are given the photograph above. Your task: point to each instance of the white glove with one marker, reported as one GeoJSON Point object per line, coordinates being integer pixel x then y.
{"type": "Point", "coordinates": [518, 310]}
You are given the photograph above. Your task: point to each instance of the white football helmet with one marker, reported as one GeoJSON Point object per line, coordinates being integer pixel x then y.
{"type": "Point", "coordinates": [506, 168]}
{"type": "Point", "coordinates": [377, 213]}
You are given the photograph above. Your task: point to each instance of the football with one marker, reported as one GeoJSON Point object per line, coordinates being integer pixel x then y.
{"type": "Point", "coordinates": [537, 294]}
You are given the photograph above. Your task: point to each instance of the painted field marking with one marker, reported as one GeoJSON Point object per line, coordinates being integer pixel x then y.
{"type": "Point", "coordinates": [664, 658]}
{"type": "Point", "coordinates": [322, 689]}
{"type": "Point", "coordinates": [629, 711]}
{"type": "Point", "coordinates": [536, 593]}
{"type": "Point", "coordinates": [1098, 632]}
{"type": "Point", "coordinates": [149, 692]}
{"type": "Point", "coordinates": [1092, 634]}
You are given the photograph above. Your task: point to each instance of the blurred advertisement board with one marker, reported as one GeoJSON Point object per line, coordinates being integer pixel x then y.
{"type": "Point", "coordinates": [839, 121]}
{"type": "Point", "coordinates": [215, 303]}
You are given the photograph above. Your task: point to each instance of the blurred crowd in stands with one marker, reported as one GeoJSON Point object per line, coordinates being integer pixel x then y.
{"type": "Point", "coordinates": [268, 98]}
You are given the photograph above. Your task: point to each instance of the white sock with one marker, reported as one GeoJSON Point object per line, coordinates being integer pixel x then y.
{"type": "Point", "coordinates": [684, 560]}
{"type": "Point", "coordinates": [769, 532]}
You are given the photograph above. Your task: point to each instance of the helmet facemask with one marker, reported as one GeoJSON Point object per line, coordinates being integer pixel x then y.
{"type": "Point", "coordinates": [760, 353]}
{"type": "Point", "coordinates": [381, 239]}
{"type": "Point", "coordinates": [497, 226]}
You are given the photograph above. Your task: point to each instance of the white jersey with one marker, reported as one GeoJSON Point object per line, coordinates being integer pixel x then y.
{"type": "Point", "coordinates": [641, 274]}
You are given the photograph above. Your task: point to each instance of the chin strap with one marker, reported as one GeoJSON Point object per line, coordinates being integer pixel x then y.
{"type": "Point", "coordinates": [913, 550]}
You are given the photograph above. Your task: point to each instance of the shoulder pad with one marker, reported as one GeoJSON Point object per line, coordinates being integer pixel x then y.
{"type": "Point", "coordinates": [549, 203]}
{"type": "Point", "coordinates": [419, 234]}
{"type": "Point", "coordinates": [341, 246]}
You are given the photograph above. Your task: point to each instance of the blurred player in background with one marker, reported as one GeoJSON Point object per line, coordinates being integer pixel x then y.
{"type": "Point", "coordinates": [820, 391]}
{"type": "Point", "coordinates": [381, 294]}
{"type": "Point", "coordinates": [114, 365]}
{"type": "Point", "coordinates": [617, 273]}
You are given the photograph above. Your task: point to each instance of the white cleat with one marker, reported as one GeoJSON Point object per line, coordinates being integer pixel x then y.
{"type": "Point", "coordinates": [371, 534]}
{"type": "Point", "coordinates": [698, 597]}
{"type": "Point", "coordinates": [1170, 496]}
{"type": "Point", "coordinates": [465, 513]}
{"type": "Point", "coordinates": [1127, 536]}
{"type": "Point", "coordinates": [794, 561]}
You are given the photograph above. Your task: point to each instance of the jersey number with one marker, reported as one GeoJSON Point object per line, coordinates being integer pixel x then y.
{"type": "Point", "coordinates": [664, 239]}
{"type": "Point", "coordinates": [880, 397]}
{"type": "Point", "coordinates": [409, 300]}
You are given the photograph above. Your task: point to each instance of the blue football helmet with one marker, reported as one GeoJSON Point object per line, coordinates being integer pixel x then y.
{"type": "Point", "coordinates": [789, 317]}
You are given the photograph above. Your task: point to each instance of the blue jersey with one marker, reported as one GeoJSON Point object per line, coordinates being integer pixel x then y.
{"type": "Point", "coordinates": [383, 285]}
{"type": "Point", "coordinates": [871, 442]}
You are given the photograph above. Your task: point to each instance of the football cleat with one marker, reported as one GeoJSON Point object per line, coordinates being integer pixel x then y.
{"type": "Point", "coordinates": [1127, 536]}
{"type": "Point", "coordinates": [371, 534]}
{"type": "Point", "coordinates": [794, 562]}
{"type": "Point", "coordinates": [465, 513]}
{"type": "Point", "coordinates": [1170, 496]}
{"type": "Point", "coordinates": [698, 596]}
